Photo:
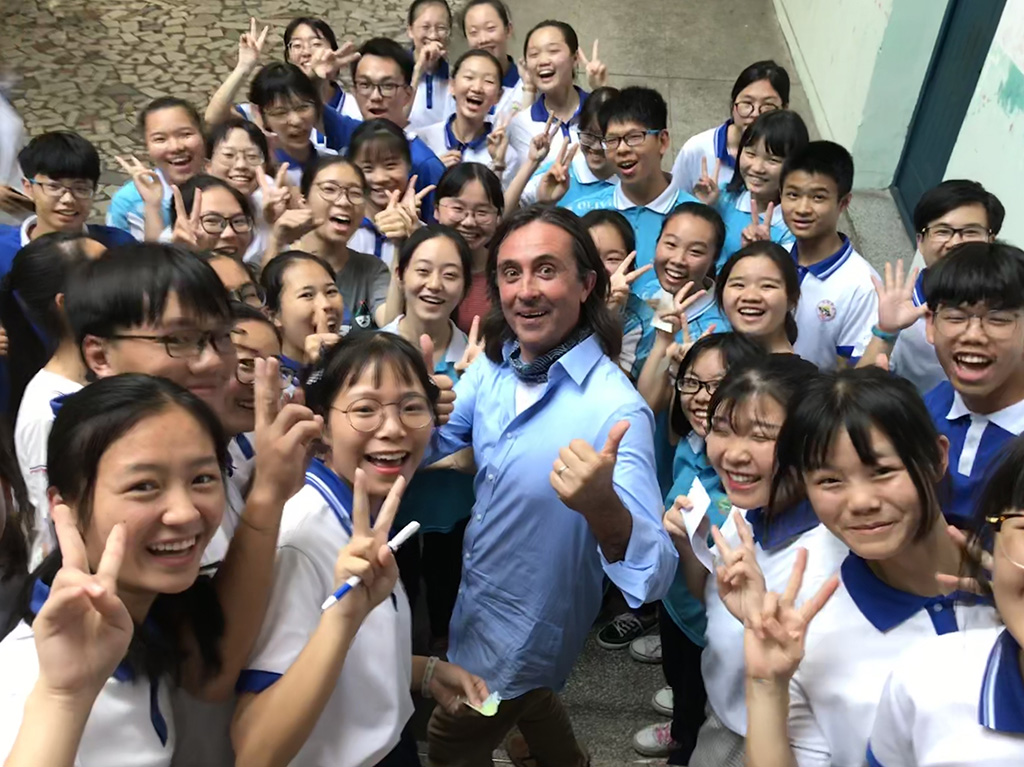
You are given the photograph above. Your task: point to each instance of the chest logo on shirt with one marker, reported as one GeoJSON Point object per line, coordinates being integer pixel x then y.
{"type": "Point", "coordinates": [826, 311]}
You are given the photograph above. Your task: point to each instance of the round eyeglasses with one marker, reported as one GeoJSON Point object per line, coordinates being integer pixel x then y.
{"type": "Point", "coordinates": [366, 415]}
{"type": "Point", "coordinates": [1010, 535]}
{"type": "Point", "coordinates": [245, 373]}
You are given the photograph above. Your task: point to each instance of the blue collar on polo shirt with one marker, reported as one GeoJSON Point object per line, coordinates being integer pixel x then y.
{"type": "Point", "coordinates": [451, 141]}
{"type": "Point", "coordinates": [722, 144]}
{"type": "Point", "coordinates": [57, 402]}
{"type": "Point", "coordinates": [441, 73]}
{"type": "Point", "coordinates": [827, 266]}
{"type": "Point", "coordinates": [886, 607]}
{"type": "Point", "coordinates": [772, 532]}
{"type": "Point", "coordinates": [919, 299]}
{"type": "Point", "coordinates": [123, 672]}
{"type": "Point", "coordinates": [378, 238]}
{"type": "Point", "coordinates": [337, 100]}
{"type": "Point", "coordinates": [333, 490]}
{"type": "Point", "coordinates": [663, 203]}
{"type": "Point", "coordinates": [1001, 707]}
{"type": "Point", "coordinates": [511, 78]}
{"type": "Point", "coordinates": [245, 446]}
{"type": "Point", "coordinates": [539, 111]}
{"type": "Point", "coordinates": [282, 156]}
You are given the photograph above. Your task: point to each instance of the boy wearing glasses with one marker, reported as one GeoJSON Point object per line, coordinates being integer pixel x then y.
{"type": "Point", "coordinates": [634, 125]}
{"type": "Point", "coordinates": [61, 171]}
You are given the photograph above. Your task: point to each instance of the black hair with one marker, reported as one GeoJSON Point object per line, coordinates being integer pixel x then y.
{"type": "Point", "coordinates": [28, 307]}
{"type": "Point", "coordinates": [416, 5]}
{"type": "Point", "coordinates": [476, 53]}
{"type": "Point", "coordinates": [568, 33]}
{"type": "Point", "coordinates": [706, 212]}
{"type": "Point", "coordinates": [321, 163]}
{"type": "Point", "coordinates": [281, 81]}
{"type": "Point", "coordinates": [272, 278]}
{"type": "Point", "coordinates": [456, 177]}
{"type": "Point", "coordinates": [168, 102]}
{"type": "Point", "coordinates": [88, 423]}
{"type": "Point", "coordinates": [429, 232]}
{"type": "Point", "coordinates": [644, 106]}
{"type": "Point", "coordinates": [594, 313]}
{"type": "Point", "coordinates": [784, 133]}
{"type": "Point", "coordinates": [590, 112]}
{"type": "Point", "coordinates": [783, 262]}
{"type": "Point", "coordinates": [321, 27]}
{"type": "Point", "coordinates": [60, 154]}
{"type": "Point", "coordinates": [383, 136]}
{"type": "Point", "coordinates": [129, 286]}
{"type": "Point", "coordinates": [768, 70]}
{"type": "Point", "coordinates": [220, 131]}
{"type": "Point", "coordinates": [736, 350]}
{"type": "Point", "coordinates": [823, 158]}
{"type": "Point", "coordinates": [347, 361]}
{"type": "Point", "coordinates": [499, 7]}
{"type": "Point", "coordinates": [614, 219]}
{"type": "Point", "coordinates": [991, 273]}
{"type": "Point", "coordinates": [205, 181]}
{"type": "Point", "coordinates": [18, 532]}
{"type": "Point", "coordinates": [386, 48]}
{"type": "Point", "coordinates": [858, 400]}
{"type": "Point", "coordinates": [241, 312]}
{"type": "Point", "coordinates": [953, 194]}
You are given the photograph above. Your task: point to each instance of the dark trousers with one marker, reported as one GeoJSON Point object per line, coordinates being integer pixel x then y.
{"type": "Point", "coordinates": [680, 661]}
{"type": "Point", "coordinates": [437, 559]}
{"type": "Point", "coordinates": [405, 754]}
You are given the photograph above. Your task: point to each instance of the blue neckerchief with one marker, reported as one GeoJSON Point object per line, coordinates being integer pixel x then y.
{"type": "Point", "coordinates": [827, 266]}
{"type": "Point", "coordinates": [722, 144]}
{"type": "Point", "coordinates": [771, 533]}
{"type": "Point", "coordinates": [1001, 707]}
{"type": "Point", "coordinates": [919, 298]}
{"type": "Point", "coordinates": [333, 490]}
{"type": "Point", "coordinates": [511, 78]}
{"type": "Point", "coordinates": [886, 607]}
{"type": "Point", "coordinates": [539, 111]}
{"type": "Point", "coordinates": [378, 238]}
{"type": "Point", "coordinates": [451, 141]}
{"type": "Point", "coordinates": [123, 673]}
{"type": "Point", "coordinates": [57, 402]}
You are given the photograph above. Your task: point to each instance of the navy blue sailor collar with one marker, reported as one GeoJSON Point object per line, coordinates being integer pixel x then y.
{"type": "Point", "coordinates": [451, 141]}
{"type": "Point", "coordinates": [333, 490]}
{"type": "Point", "coordinates": [511, 77]}
{"type": "Point", "coordinates": [1001, 707]}
{"type": "Point", "coordinates": [827, 266]}
{"type": "Point", "coordinates": [919, 297]}
{"type": "Point", "coordinates": [539, 111]}
{"type": "Point", "coordinates": [721, 141]}
{"type": "Point", "coordinates": [770, 533]}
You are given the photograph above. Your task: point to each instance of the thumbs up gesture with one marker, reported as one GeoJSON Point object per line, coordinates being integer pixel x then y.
{"type": "Point", "coordinates": [446, 399]}
{"type": "Point", "coordinates": [582, 476]}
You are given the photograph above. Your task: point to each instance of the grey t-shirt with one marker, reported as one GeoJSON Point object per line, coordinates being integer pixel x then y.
{"type": "Point", "coordinates": [363, 278]}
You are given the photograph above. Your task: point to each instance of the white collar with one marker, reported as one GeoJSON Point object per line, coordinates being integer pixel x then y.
{"type": "Point", "coordinates": [28, 223]}
{"type": "Point", "coordinates": [456, 347]}
{"type": "Point", "coordinates": [662, 204]}
{"type": "Point", "coordinates": [694, 310]}
{"type": "Point", "coordinates": [743, 204]}
{"type": "Point", "coordinates": [583, 171]}
{"type": "Point", "coordinates": [1010, 418]}
{"type": "Point", "coordinates": [695, 442]}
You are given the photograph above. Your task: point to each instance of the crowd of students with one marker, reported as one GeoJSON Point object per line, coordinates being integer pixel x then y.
{"type": "Point", "coordinates": [464, 301]}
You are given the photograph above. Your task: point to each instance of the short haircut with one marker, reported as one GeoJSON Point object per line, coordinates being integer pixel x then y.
{"type": "Point", "coordinates": [456, 177]}
{"type": "Point", "coordinates": [990, 273]}
{"type": "Point", "coordinates": [272, 278]}
{"type": "Point", "coordinates": [782, 259]}
{"type": "Point", "coordinates": [380, 138]}
{"type": "Point", "coordinates": [429, 232]}
{"type": "Point", "coordinates": [590, 112]}
{"type": "Point", "coordinates": [823, 158]}
{"type": "Point", "coordinates": [568, 34]}
{"type": "Point", "coordinates": [205, 181]}
{"type": "Point", "coordinates": [321, 27]}
{"type": "Point", "coordinates": [709, 214]}
{"type": "Point", "coordinates": [219, 133]}
{"type": "Point", "coordinates": [386, 48]}
{"type": "Point", "coordinates": [60, 154]}
{"type": "Point", "coordinates": [169, 102]}
{"type": "Point", "coordinates": [857, 401]}
{"type": "Point", "coordinates": [129, 285]}
{"type": "Point", "coordinates": [784, 133]}
{"type": "Point", "coordinates": [768, 70]}
{"type": "Point", "coordinates": [280, 81]}
{"type": "Point", "coordinates": [644, 106]}
{"type": "Point", "coordinates": [476, 53]}
{"type": "Point", "coordinates": [417, 5]}
{"type": "Point", "coordinates": [322, 162]}
{"type": "Point", "coordinates": [499, 7]}
{"type": "Point", "coordinates": [614, 219]}
{"type": "Point", "coordinates": [953, 194]}
{"type": "Point", "coordinates": [242, 312]}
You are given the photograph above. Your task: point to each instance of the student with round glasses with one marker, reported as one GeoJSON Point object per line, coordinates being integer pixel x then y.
{"type": "Point", "coordinates": [237, 279]}
{"type": "Point", "coordinates": [221, 224]}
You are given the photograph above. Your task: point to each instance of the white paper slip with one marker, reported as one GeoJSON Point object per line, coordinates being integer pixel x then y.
{"type": "Point", "coordinates": [489, 707]}
{"type": "Point", "coordinates": [697, 526]}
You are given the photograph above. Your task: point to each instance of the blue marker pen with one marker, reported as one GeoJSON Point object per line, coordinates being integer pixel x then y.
{"type": "Point", "coordinates": [404, 534]}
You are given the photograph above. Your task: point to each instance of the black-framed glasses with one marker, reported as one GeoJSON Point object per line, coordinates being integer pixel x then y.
{"type": "Point", "coordinates": [1012, 536]}
{"type": "Point", "coordinates": [185, 344]}
{"type": "Point", "coordinates": [245, 372]}
{"type": "Point", "coordinates": [367, 415]}
{"type": "Point", "coordinates": [459, 210]}
{"type": "Point", "coordinates": [746, 109]}
{"type": "Point", "coordinates": [366, 88]}
{"type": "Point", "coordinates": [999, 325]}
{"type": "Point", "coordinates": [591, 140]}
{"type": "Point", "coordinates": [303, 109]}
{"type": "Point", "coordinates": [251, 158]}
{"type": "Point", "coordinates": [691, 385]}
{"type": "Point", "coordinates": [56, 190]}
{"type": "Point", "coordinates": [632, 139]}
{"type": "Point", "coordinates": [969, 233]}
{"type": "Point", "coordinates": [214, 223]}
{"type": "Point", "coordinates": [250, 293]}
{"type": "Point", "coordinates": [331, 192]}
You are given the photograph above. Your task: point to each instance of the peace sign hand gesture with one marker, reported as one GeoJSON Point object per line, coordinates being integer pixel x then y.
{"type": "Point", "coordinates": [540, 144]}
{"type": "Point", "coordinates": [582, 477]}
{"type": "Point", "coordinates": [326, 63]}
{"type": "Point", "coordinates": [774, 637]}
{"type": "Point", "coordinates": [250, 46]}
{"type": "Point", "coordinates": [188, 228]}
{"type": "Point", "coordinates": [497, 143]}
{"type": "Point", "coordinates": [556, 181]}
{"type": "Point", "coordinates": [706, 189]}
{"type": "Point", "coordinates": [367, 554]}
{"type": "Point", "coordinates": [277, 198]}
{"type": "Point", "coordinates": [474, 346]}
{"type": "Point", "coordinates": [83, 630]}
{"type": "Point", "coordinates": [757, 230]}
{"type": "Point", "coordinates": [146, 180]}
{"type": "Point", "coordinates": [597, 72]}
{"type": "Point", "coordinates": [896, 310]}
{"type": "Point", "coordinates": [621, 280]}
{"type": "Point", "coordinates": [741, 584]}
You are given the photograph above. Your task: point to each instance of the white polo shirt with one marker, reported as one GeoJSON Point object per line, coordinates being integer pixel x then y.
{"type": "Point", "coordinates": [953, 699]}
{"type": "Point", "coordinates": [441, 139]}
{"type": "Point", "coordinates": [31, 433]}
{"type": "Point", "coordinates": [432, 101]}
{"type": "Point", "coordinates": [852, 646]}
{"type": "Point", "coordinates": [528, 122]}
{"type": "Point", "coordinates": [709, 145]}
{"type": "Point", "coordinates": [838, 307]}
{"type": "Point", "coordinates": [122, 729]}
{"type": "Point", "coordinates": [243, 461]}
{"type": "Point", "coordinates": [721, 662]}
{"type": "Point", "coordinates": [363, 719]}
{"type": "Point", "coordinates": [913, 357]}
{"type": "Point", "coordinates": [368, 239]}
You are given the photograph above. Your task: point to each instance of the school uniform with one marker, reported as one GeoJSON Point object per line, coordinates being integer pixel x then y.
{"type": "Point", "coordinates": [131, 723]}
{"type": "Point", "coordinates": [735, 210]}
{"type": "Point", "coordinates": [913, 357]}
{"type": "Point", "coordinates": [711, 145]}
{"type": "Point", "coordinates": [363, 719]}
{"type": "Point", "coordinates": [584, 187]}
{"type": "Point", "coordinates": [14, 238]}
{"type": "Point", "coordinates": [513, 98]}
{"type": "Point", "coordinates": [527, 123]}
{"type": "Point", "coordinates": [975, 444]}
{"type": "Point", "coordinates": [636, 338]}
{"type": "Point", "coordinates": [368, 239]}
{"type": "Point", "coordinates": [953, 699]}
{"type": "Point", "coordinates": [31, 433]}
{"type": "Point", "coordinates": [343, 103]}
{"type": "Point", "coordinates": [317, 142]}
{"type": "Point", "coordinates": [242, 456]}
{"type": "Point", "coordinates": [852, 645]}
{"type": "Point", "coordinates": [432, 101]}
{"type": "Point", "coordinates": [442, 139]}
{"type": "Point", "coordinates": [127, 211]}
{"type": "Point", "coordinates": [838, 307]}
{"type": "Point", "coordinates": [252, 254]}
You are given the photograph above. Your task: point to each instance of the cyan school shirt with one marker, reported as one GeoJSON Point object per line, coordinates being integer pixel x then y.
{"type": "Point", "coordinates": [735, 211]}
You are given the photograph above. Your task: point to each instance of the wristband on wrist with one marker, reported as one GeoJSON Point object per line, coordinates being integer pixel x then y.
{"type": "Point", "coordinates": [877, 332]}
{"type": "Point", "coordinates": [428, 675]}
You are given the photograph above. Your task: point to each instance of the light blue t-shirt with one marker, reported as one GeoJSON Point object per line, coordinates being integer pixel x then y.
{"type": "Point", "coordinates": [735, 211]}
{"type": "Point", "coordinates": [127, 210]}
